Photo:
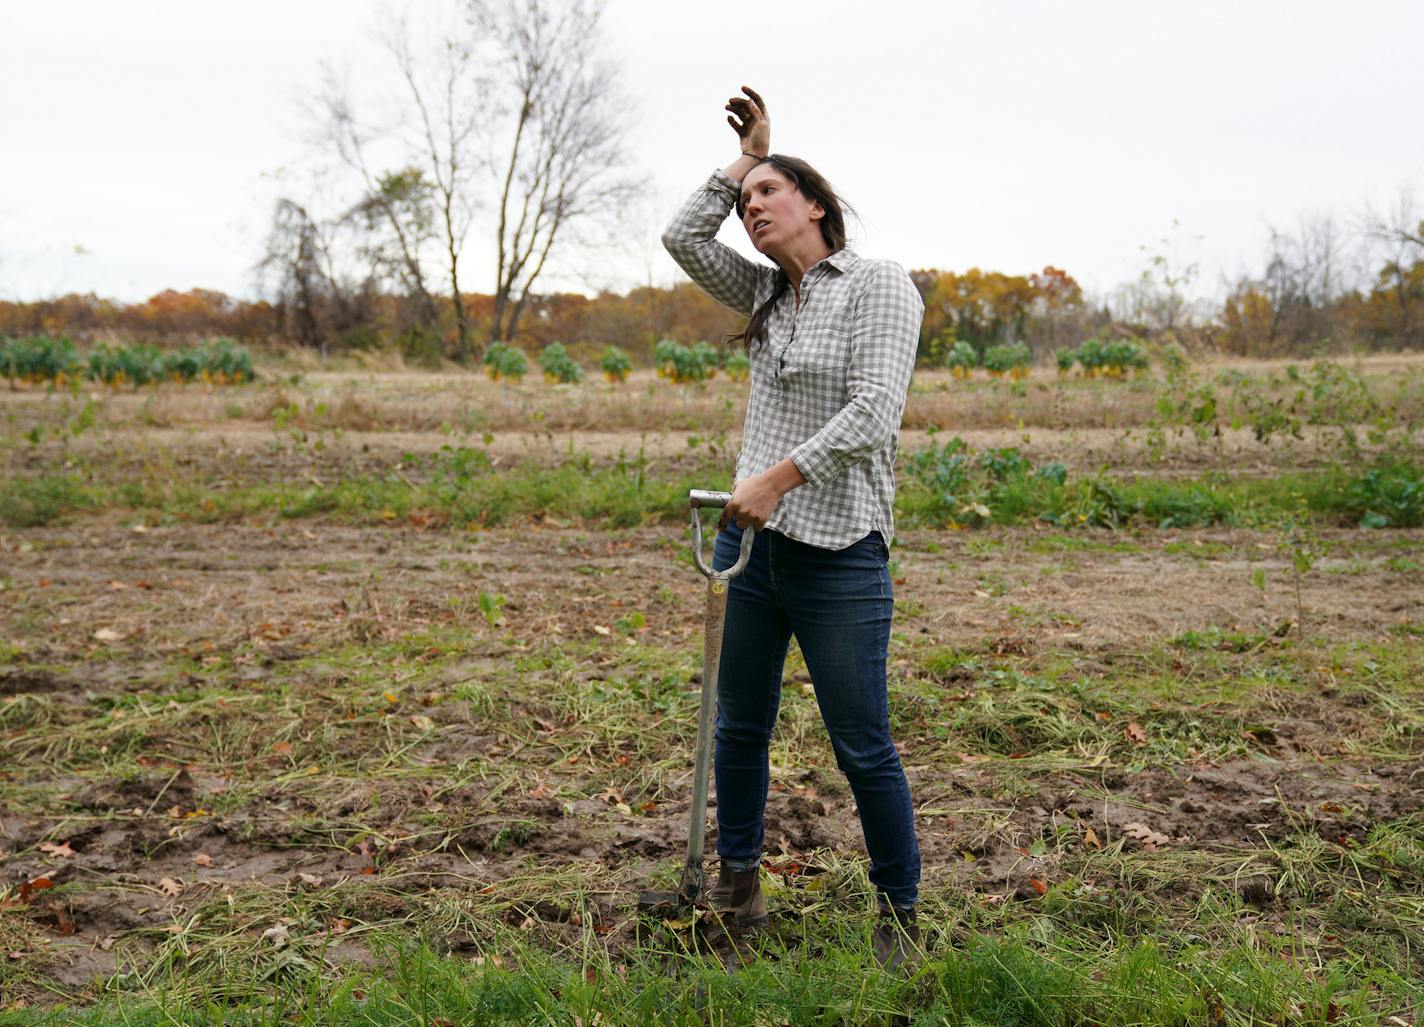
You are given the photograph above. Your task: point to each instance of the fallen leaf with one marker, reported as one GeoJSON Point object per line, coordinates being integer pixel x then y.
{"type": "Point", "coordinates": [170, 887]}
{"type": "Point", "coordinates": [1149, 839]}
{"type": "Point", "coordinates": [1090, 838]}
{"type": "Point", "coordinates": [277, 935]}
{"type": "Point", "coordinates": [107, 635]}
{"type": "Point", "coordinates": [423, 722]}
{"type": "Point", "coordinates": [602, 630]}
{"type": "Point", "coordinates": [1102, 715]}
{"type": "Point", "coordinates": [1039, 886]}
{"type": "Point", "coordinates": [117, 586]}
{"type": "Point", "coordinates": [203, 859]}
{"type": "Point", "coordinates": [611, 795]}
{"type": "Point", "coordinates": [28, 888]}
{"type": "Point", "coordinates": [281, 748]}
{"type": "Point", "coordinates": [310, 880]}
{"type": "Point", "coordinates": [62, 850]}
{"type": "Point", "coordinates": [1135, 734]}
{"type": "Point", "coordinates": [339, 926]}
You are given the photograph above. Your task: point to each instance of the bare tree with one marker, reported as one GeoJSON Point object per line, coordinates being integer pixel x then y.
{"type": "Point", "coordinates": [557, 137]}
{"type": "Point", "coordinates": [449, 94]}
{"type": "Point", "coordinates": [511, 88]}
{"type": "Point", "coordinates": [295, 256]}
{"type": "Point", "coordinates": [349, 139]}
{"type": "Point", "coordinates": [314, 300]}
{"type": "Point", "coordinates": [1159, 299]}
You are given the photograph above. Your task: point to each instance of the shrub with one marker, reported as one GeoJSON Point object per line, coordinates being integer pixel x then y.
{"type": "Point", "coordinates": [1113, 359]}
{"type": "Point", "coordinates": [558, 366]}
{"type": "Point", "coordinates": [615, 364]}
{"type": "Point", "coordinates": [362, 337]}
{"type": "Point", "coordinates": [1011, 360]}
{"type": "Point", "coordinates": [664, 357]}
{"type": "Point", "coordinates": [1065, 358]}
{"type": "Point", "coordinates": [708, 355]}
{"type": "Point", "coordinates": [1123, 356]}
{"type": "Point", "coordinates": [681, 364]}
{"type": "Point", "coordinates": [737, 365]}
{"type": "Point", "coordinates": [225, 362]}
{"type": "Point", "coordinates": [185, 364]}
{"type": "Point", "coordinates": [961, 359]}
{"type": "Point", "coordinates": [1090, 357]}
{"type": "Point", "coordinates": [127, 365]}
{"type": "Point", "coordinates": [421, 346]}
{"type": "Point", "coordinates": [39, 358]}
{"type": "Point", "coordinates": [504, 361]}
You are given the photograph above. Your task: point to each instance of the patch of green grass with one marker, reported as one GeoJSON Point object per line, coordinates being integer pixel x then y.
{"type": "Point", "coordinates": [822, 973]}
{"type": "Point", "coordinates": [462, 488]}
{"type": "Point", "coordinates": [1059, 542]}
{"type": "Point", "coordinates": [34, 502]}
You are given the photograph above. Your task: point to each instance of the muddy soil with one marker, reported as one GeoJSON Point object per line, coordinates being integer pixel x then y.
{"type": "Point", "coordinates": [101, 612]}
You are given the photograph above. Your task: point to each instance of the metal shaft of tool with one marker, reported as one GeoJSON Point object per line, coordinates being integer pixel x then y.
{"type": "Point", "coordinates": [716, 618]}
{"type": "Point", "coordinates": [690, 889]}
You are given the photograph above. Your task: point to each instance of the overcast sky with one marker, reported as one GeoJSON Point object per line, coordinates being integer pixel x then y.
{"type": "Point", "coordinates": [142, 144]}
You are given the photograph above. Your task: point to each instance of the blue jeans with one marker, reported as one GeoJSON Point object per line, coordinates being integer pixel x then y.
{"type": "Point", "coordinates": [839, 606]}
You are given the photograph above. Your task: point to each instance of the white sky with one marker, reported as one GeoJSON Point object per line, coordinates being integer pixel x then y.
{"type": "Point", "coordinates": [141, 143]}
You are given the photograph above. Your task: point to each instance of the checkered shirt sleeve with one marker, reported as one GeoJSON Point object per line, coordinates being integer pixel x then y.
{"type": "Point", "coordinates": [828, 381]}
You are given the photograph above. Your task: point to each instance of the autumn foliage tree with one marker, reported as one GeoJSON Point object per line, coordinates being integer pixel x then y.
{"type": "Point", "coordinates": [985, 308]}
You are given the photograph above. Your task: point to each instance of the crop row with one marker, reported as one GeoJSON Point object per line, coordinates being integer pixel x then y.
{"type": "Point", "coordinates": [1096, 357]}
{"type": "Point", "coordinates": [1007, 360]}
{"type": "Point", "coordinates": [672, 360]}
{"type": "Point", "coordinates": [40, 358]}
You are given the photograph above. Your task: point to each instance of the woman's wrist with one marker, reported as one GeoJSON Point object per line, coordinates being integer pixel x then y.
{"type": "Point", "coordinates": [741, 167]}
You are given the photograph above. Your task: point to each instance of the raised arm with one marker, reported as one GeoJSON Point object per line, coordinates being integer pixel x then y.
{"type": "Point", "coordinates": [691, 236]}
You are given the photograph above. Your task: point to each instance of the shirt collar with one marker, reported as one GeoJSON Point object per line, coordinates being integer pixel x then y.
{"type": "Point", "coordinates": [843, 260]}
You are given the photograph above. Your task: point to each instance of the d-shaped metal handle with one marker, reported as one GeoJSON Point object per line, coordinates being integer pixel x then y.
{"type": "Point", "coordinates": [698, 498]}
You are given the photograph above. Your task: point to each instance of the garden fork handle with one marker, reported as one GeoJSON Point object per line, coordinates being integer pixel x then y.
{"type": "Point", "coordinates": [697, 499]}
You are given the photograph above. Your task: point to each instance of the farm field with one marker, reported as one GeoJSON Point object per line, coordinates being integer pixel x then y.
{"type": "Point", "coordinates": [347, 697]}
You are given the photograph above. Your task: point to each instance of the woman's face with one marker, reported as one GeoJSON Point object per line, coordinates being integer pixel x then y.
{"type": "Point", "coordinates": [774, 212]}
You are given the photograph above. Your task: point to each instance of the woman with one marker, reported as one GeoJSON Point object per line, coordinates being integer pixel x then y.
{"type": "Point", "coordinates": [832, 339]}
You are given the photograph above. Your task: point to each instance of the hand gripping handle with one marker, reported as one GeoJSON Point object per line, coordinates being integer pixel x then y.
{"type": "Point", "coordinates": [698, 498]}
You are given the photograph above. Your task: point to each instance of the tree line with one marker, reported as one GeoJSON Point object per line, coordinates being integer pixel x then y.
{"type": "Point", "coordinates": [500, 122]}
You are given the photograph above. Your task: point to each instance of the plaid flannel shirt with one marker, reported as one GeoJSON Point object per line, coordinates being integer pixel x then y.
{"type": "Point", "coordinates": [829, 379]}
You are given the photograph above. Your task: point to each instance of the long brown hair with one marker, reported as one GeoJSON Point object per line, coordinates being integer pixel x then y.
{"type": "Point", "coordinates": [811, 184]}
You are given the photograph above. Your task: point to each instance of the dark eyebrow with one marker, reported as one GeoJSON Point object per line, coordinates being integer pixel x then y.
{"type": "Point", "coordinates": [746, 193]}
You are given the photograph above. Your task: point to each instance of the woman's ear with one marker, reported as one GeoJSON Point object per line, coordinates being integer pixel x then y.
{"type": "Point", "coordinates": [817, 212]}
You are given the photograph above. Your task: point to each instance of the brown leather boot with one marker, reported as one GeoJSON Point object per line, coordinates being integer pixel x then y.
{"type": "Point", "coordinates": [738, 893]}
{"type": "Point", "coordinates": [897, 937]}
